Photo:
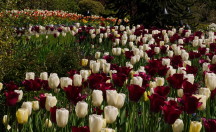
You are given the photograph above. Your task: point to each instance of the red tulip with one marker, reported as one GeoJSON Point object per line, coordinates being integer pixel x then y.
{"type": "Point", "coordinates": [11, 86]}
{"type": "Point", "coordinates": [213, 93]}
{"type": "Point", "coordinates": [135, 92]}
{"type": "Point", "coordinates": [176, 80]}
{"type": "Point", "coordinates": [32, 85]}
{"type": "Point", "coordinates": [72, 73]}
{"type": "Point", "coordinates": [162, 90]}
{"type": "Point", "coordinates": [146, 78]}
{"type": "Point", "coordinates": [156, 67]}
{"type": "Point", "coordinates": [103, 86]}
{"type": "Point", "coordinates": [150, 53]}
{"type": "Point", "coordinates": [74, 94]}
{"type": "Point", "coordinates": [11, 98]}
{"type": "Point", "coordinates": [98, 111]}
{"type": "Point", "coordinates": [80, 129]}
{"type": "Point", "coordinates": [213, 47]}
{"type": "Point", "coordinates": [129, 54]}
{"type": "Point", "coordinates": [210, 125]}
{"type": "Point", "coordinates": [124, 70]}
{"type": "Point", "coordinates": [119, 79]}
{"type": "Point", "coordinates": [212, 68]}
{"type": "Point", "coordinates": [189, 88]}
{"type": "Point", "coordinates": [108, 58]}
{"type": "Point", "coordinates": [94, 79]}
{"type": "Point", "coordinates": [42, 100]}
{"type": "Point", "coordinates": [156, 102]}
{"type": "Point", "coordinates": [191, 70]}
{"type": "Point", "coordinates": [171, 112]}
{"type": "Point", "coordinates": [45, 85]}
{"type": "Point", "coordinates": [53, 114]}
{"type": "Point", "coordinates": [193, 55]}
{"type": "Point", "coordinates": [190, 103]}
{"type": "Point", "coordinates": [176, 61]}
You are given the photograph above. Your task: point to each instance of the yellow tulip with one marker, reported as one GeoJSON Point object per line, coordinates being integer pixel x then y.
{"type": "Point", "coordinates": [22, 115]}
{"type": "Point", "coordinates": [146, 93]}
{"type": "Point", "coordinates": [84, 62]}
{"type": "Point", "coordinates": [195, 126]}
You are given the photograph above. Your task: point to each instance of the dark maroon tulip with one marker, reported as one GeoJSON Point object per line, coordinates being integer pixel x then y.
{"type": "Point", "coordinates": [42, 100]}
{"type": "Point", "coordinates": [94, 79]}
{"type": "Point", "coordinates": [32, 85]}
{"type": "Point", "coordinates": [45, 85]}
{"type": "Point", "coordinates": [146, 78]}
{"type": "Point", "coordinates": [191, 69]}
{"type": "Point", "coordinates": [150, 53]}
{"type": "Point", "coordinates": [119, 79]}
{"type": "Point", "coordinates": [124, 70]}
{"type": "Point", "coordinates": [108, 58]}
{"type": "Point", "coordinates": [174, 38]}
{"type": "Point", "coordinates": [73, 94]}
{"type": "Point", "coordinates": [11, 86]}
{"type": "Point", "coordinates": [103, 86]}
{"type": "Point", "coordinates": [156, 102]}
{"type": "Point", "coordinates": [202, 51]}
{"type": "Point", "coordinates": [189, 88]}
{"type": "Point", "coordinates": [135, 92]}
{"type": "Point", "coordinates": [156, 67]}
{"type": "Point", "coordinates": [171, 112]}
{"type": "Point", "coordinates": [213, 47]}
{"type": "Point", "coordinates": [213, 93]}
{"type": "Point", "coordinates": [80, 129]}
{"type": "Point", "coordinates": [53, 114]}
{"type": "Point", "coordinates": [176, 61]}
{"type": "Point", "coordinates": [162, 90]}
{"type": "Point", "coordinates": [129, 54]}
{"type": "Point", "coordinates": [71, 73]}
{"type": "Point", "coordinates": [11, 98]}
{"type": "Point", "coordinates": [209, 125]}
{"type": "Point", "coordinates": [98, 111]}
{"type": "Point", "coordinates": [193, 55]}
{"type": "Point", "coordinates": [212, 68]}
{"type": "Point", "coordinates": [176, 80]}
{"type": "Point", "coordinates": [163, 49]}
{"type": "Point", "coordinates": [190, 103]}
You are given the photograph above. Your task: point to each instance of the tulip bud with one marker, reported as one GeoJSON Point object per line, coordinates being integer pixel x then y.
{"type": "Point", "coordinates": [81, 109]}
{"type": "Point", "coordinates": [48, 123]}
{"type": "Point", "coordinates": [35, 105]}
{"type": "Point", "coordinates": [44, 76]}
{"type": "Point", "coordinates": [96, 123]}
{"type": "Point", "coordinates": [178, 126]}
{"type": "Point", "coordinates": [65, 82]}
{"type": "Point", "coordinates": [84, 62]}
{"type": "Point", "coordinates": [30, 75]}
{"type": "Point", "coordinates": [159, 81]}
{"type": "Point", "coordinates": [62, 117]}
{"type": "Point", "coordinates": [195, 126]}
{"type": "Point", "coordinates": [97, 97]}
{"type": "Point", "coordinates": [20, 92]}
{"type": "Point", "coordinates": [28, 106]}
{"type": "Point", "coordinates": [97, 55]}
{"type": "Point", "coordinates": [51, 101]}
{"type": "Point", "coordinates": [77, 80]}
{"type": "Point", "coordinates": [110, 113]}
{"type": "Point", "coordinates": [205, 91]}
{"type": "Point", "coordinates": [95, 67]}
{"type": "Point", "coordinates": [137, 81]}
{"type": "Point", "coordinates": [209, 81]}
{"type": "Point", "coordinates": [53, 80]}
{"type": "Point", "coordinates": [22, 115]}
{"type": "Point", "coordinates": [111, 96]}
{"type": "Point", "coordinates": [5, 120]}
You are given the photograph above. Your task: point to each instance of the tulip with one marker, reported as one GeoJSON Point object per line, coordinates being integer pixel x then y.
{"type": "Point", "coordinates": [84, 62]}
{"type": "Point", "coordinates": [210, 125]}
{"type": "Point", "coordinates": [51, 101]}
{"type": "Point", "coordinates": [205, 91]}
{"type": "Point", "coordinates": [135, 92]}
{"type": "Point", "coordinates": [137, 81]}
{"type": "Point", "coordinates": [107, 130]}
{"type": "Point", "coordinates": [156, 102]}
{"type": "Point", "coordinates": [106, 67]}
{"type": "Point", "coordinates": [95, 123]}
{"type": "Point", "coordinates": [159, 81]}
{"type": "Point", "coordinates": [97, 55]}
{"type": "Point", "coordinates": [1, 86]}
{"type": "Point", "coordinates": [157, 50]}
{"type": "Point", "coordinates": [203, 100]}
{"type": "Point", "coordinates": [205, 66]}
{"type": "Point", "coordinates": [180, 92]}
{"type": "Point", "coordinates": [190, 103]}
{"type": "Point", "coordinates": [189, 77]}
{"type": "Point", "coordinates": [185, 63]}
{"type": "Point", "coordinates": [209, 81]}
{"type": "Point", "coordinates": [178, 126]}
{"type": "Point", "coordinates": [44, 76]}
{"type": "Point", "coordinates": [35, 105]}
{"type": "Point", "coordinates": [65, 81]}
{"type": "Point", "coordinates": [110, 113]}
{"type": "Point", "coordinates": [101, 61]}
{"type": "Point", "coordinates": [5, 120]}
{"type": "Point", "coordinates": [166, 61]}
{"type": "Point", "coordinates": [84, 74]}
{"type": "Point", "coordinates": [185, 56]}
{"type": "Point", "coordinates": [62, 117]}
{"type": "Point", "coordinates": [195, 126]}
{"type": "Point", "coordinates": [214, 59]}
{"type": "Point", "coordinates": [11, 98]}
{"type": "Point", "coordinates": [20, 92]}
{"type": "Point", "coordinates": [53, 80]}
{"type": "Point", "coordinates": [80, 129]}
{"type": "Point", "coordinates": [97, 97]}
{"type": "Point", "coordinates": [111, 96]}
{"type": "Point", "coordinates": [81, 109]}
{"type": "Point", "coordinates": [30, 76]}
{"type": "Point", "coordinates": [22, 115]}
{"type": "Point", "coordinates": [28, 106]}
{"type": "Point", "coordinates": [77, 80]}
{"type": "Point", "coordinates": [95, 67]}
{"type": "Point", "coordinates": [48, 123]}
{"type": "Point", "coordinates": [116, 51]}
{"type": "Point", "coordinates": [120, 100]}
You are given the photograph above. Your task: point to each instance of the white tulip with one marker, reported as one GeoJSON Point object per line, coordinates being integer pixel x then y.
{"type": "Point", "coordinates": [51, 101]}
{"type": "Point", "coordinates": [97, 97]}
{"type": "Point", "coordinates": [77, 80]}
{"type": "Point", "coordinates": [107, 130]}
{"type": "Point", "coordinates": [62, 117]}
{"type": "Point", "coordinates": [178, 126]}
{"type": "Point", "coordinates": [205, 91]}
{"type": "Point", "coordinates": [95, 123]}
{"type": "Point", "coordinates": [166, 61]}
{"type": "Point", "coordinates": [97, 55]}
{"type": "Point", "coordinates": [48, 123]}
{"type": "Point", "coordinates": [44, 76]}
{"type": "Point", "coordinates": [159, 81]}
{"type": "Point", "coordinates": [1, 86]}
{"type": "Point", "coordinates": [210, 81]}
{"type": "Point", "coordinates": [95, 67]}
{"type": "Point", "coordinates": [189, 77]}
{"type": "Point", "coordinates": [65, 82]}
{"type": "Point", "coordinates": [203, 100]}
{"type": "Point", "coordinates": [205, 66]}
{"type": "Point", "coordinates": [30, 75]}
{"type": "Point", "coordinates": [120, 100]}
{"type": "Point", "coordinates": [110, 113]}
{"type": "Point", "coordinates": [81, 109]}
{"type": "Point", "coordinates": [214, 59]}
{"type": "Point", "coordinates": [84, 74]}
{"type": "Point", "coordinates": [111, 96]}
{"type": "Point", "coordinates": [106, 67]}
{"type": "Point", "coordinates": [137, 81]}
{"type": "Point", "coordinates": [53, 81]}
{"type": "Point", "coordinates": [20, 92]}
{"type": "Point", "coordinates": [35, 105]}
{"type": "Point", "coordinates": [28, 106]}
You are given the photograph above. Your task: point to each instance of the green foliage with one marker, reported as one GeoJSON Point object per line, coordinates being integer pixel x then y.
{"type": "Point", "coordinates": [94, 7]}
